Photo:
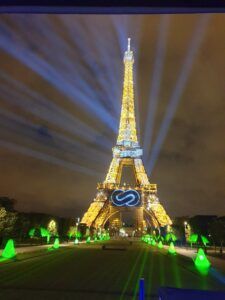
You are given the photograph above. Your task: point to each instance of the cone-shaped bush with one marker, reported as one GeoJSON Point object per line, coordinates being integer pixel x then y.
{"type": "Point", "coordinates": [88, 240]}
{"type": "Point", "coordinates": [201, 260]}
{"type": "Point", "coordinates": [56, 244]}
{"type": "Point", "coordinates": [204, 240]}
{"type": "Point", "coordinates": [76, 241]}
{"type": "Point", "coordinates": [160, 245]}
{"type": "Point", "coordinates": [171, 249]}
{"type": "Point", "coordinates": [153, 242]}
{"type": "Point", "coordinates": [31, 232]}
{"type": "Point", "coordinates": [9, 250]}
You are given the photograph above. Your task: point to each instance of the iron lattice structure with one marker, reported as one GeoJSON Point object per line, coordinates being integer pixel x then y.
{"type": "Point", "coordinates": [127, 152]}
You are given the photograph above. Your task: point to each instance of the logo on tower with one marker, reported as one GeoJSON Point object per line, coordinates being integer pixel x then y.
{"type": "Point", "coordinates": [126, 198]}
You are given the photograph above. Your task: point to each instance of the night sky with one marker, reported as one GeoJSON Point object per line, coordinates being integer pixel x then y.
{"type": "Point", "coordinates": [60, 96]}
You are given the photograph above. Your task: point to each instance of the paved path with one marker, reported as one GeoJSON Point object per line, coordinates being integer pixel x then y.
{"type": "Point", "coordinates": [88, 272]}
{"type": "Point", "coordinates": [35, 248]}
{"type": "Point", "coordinates": [216, 262]}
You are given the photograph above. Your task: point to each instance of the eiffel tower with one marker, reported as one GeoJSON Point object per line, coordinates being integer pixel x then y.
{"type": "Point", "coordinates": [115, 198]}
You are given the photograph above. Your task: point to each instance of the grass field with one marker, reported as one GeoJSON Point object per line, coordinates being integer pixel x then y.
{"type": "Point", "coordinates": [88, 272]}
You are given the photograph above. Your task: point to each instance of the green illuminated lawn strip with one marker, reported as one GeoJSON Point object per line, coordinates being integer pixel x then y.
{"type": "Point", "coordinates": [176, 272]}
{"type": "Point", "coordinates": [105, 271]}
{"type": "Point", "coordinates": [25, 271]}
{"type": "Point", "coordinates": [161, 259]}
{"type": "Point", "coordinates": [140, 273]}
{"type": "Point", "coordinates": [131, 273]}
{"type": "Point", "coordinates": [150, 274]}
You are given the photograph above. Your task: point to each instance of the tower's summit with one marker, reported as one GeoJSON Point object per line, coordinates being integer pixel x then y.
{"type": "Point", "coordinates": [127, 142]}
{"type": "Point", "coordinates": [113, 196]}
{"type": "Point", "coordinates": [128, 54]}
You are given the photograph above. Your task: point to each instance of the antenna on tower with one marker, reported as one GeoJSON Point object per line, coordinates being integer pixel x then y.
{"type": "Point", "coordinates": [128, 45]}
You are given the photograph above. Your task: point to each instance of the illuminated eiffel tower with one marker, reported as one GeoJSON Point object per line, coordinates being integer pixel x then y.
{"type": "Point", "coordinates": [114, 197]}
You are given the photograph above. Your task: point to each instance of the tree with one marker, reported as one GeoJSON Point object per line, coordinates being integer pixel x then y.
{"type": "Point", "coordinates": [217, 232]}
{"type": "Point", "coordinates": [52, 228]}
{"type": "Point", "coordinates": [8, 218]}
{"type": "Point", "coordinates": [200, 224]}
{"type": "Point", "coordinates": [22, 226]}
{"type": "Point", "coordinates": [7, 223]}
{"type": "Point", "coordinates": [178, 228]}
{"type": "Point", "coordinates": [7, 203]}
{"type": "Point", "coordinates": [2, 212]}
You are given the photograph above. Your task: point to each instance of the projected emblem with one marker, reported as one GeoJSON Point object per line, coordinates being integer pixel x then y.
{"type": "Point", "coordinates": [125, 198]}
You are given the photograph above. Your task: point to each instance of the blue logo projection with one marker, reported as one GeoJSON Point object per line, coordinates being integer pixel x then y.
{"type": "Point", "coordinates": [125, 198]}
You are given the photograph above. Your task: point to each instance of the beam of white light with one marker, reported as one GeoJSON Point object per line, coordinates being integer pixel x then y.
{"type": "Point", "coordinates": [24, 128]}
{"type": "Point", "coordinates": [80, 38]}
{"type": "Point", "coordinates": [61, 56]}
{"type": "Point", "coordinates": [156, 82]}
{"type": "Point", "coordinates": [125, 28]}
{"type": "Point", "coordinates": [110, 71]}
{"type": "Point", "coordinates": [121, 30]}
{"type": "Point", "coordinates": [49, 73]}
{"type": "Point", "coordinates": [48, 158]}
{"type": "Point", "coordinates": [73, 73]}
{"type": "Point", "coordinates": [20, 95]}
{"type": "Point", "coordinates": [179, 88]}
{"type": "Point", "coordinates": [101, 62]}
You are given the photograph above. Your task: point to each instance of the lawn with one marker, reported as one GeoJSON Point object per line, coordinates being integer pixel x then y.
{"type": "Point", "coordinates": [88, 272]}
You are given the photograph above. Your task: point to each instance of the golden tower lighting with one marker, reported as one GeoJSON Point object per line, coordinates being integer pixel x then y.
{"type": "Point", "coordinates": [114, 198]}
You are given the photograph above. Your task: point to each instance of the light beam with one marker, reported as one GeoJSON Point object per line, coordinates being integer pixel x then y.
{"type": "Point", "coordinates": [179, 88]}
